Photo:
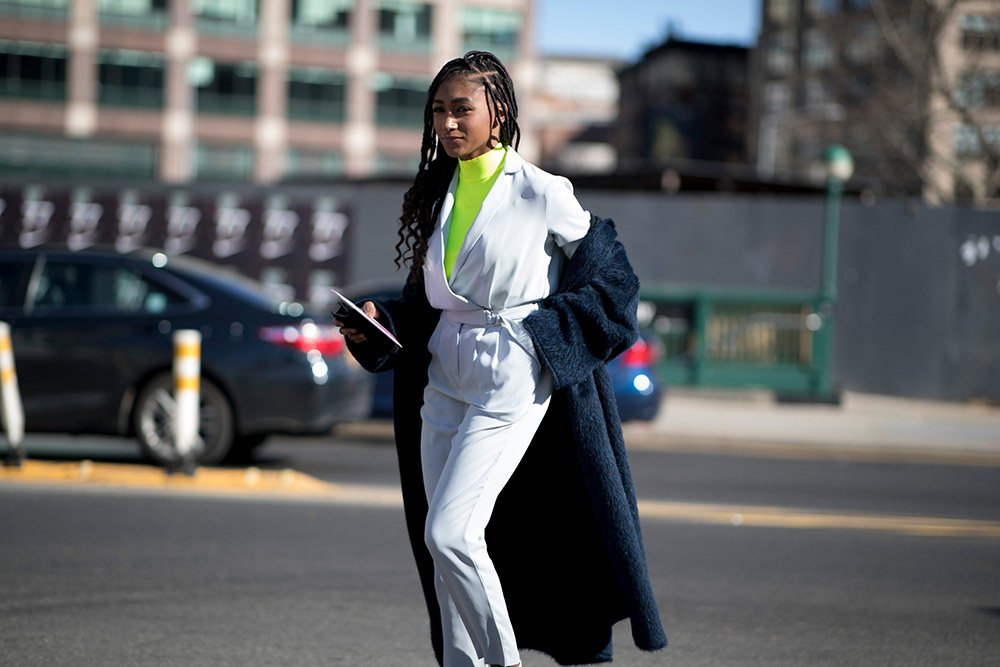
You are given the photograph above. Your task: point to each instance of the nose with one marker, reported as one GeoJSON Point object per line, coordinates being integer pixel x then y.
{"type": "Point", "coordinates": [450, 122]}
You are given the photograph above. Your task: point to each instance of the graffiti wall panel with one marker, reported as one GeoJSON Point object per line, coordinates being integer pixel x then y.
{"type": "Point", "coordinates": [296, 244]}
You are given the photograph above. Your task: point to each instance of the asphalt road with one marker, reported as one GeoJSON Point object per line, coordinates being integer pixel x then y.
{"type": "Point", "coordinates": [93, 576]}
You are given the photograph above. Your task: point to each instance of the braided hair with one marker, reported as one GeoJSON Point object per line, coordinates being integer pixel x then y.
{"type": "Point", "coordinates": [422, 202]}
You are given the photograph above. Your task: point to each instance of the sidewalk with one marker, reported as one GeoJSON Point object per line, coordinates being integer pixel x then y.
{"type": "Point", "coordinates": [862, 422]}
{"type": "Point", "coordinates": [863, 425]}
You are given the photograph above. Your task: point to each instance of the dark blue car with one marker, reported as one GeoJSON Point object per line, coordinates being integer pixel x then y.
{"type": "Point", "coordinates": [92, 337]}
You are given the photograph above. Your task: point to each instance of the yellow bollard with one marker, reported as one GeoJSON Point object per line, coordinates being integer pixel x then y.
{"type": "Point", "coordinates": [187, 373]}
{"type": "Point", "coordinates": [11, 409]}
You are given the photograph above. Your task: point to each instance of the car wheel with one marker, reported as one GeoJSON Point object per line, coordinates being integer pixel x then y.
{"type": "Point", "coordinates": [152, 420]}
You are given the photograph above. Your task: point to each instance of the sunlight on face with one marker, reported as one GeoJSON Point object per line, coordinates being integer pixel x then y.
{"type": "Point", "coordinates": [462, 118]}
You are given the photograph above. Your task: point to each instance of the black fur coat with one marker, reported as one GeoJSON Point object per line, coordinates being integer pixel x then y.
{"type": "Point", "coordinates": [565, 534]}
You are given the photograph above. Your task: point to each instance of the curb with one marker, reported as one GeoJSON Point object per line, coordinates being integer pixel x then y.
{"type": "Point", "coordinates": [290, 485]}
{"type": "Point", "coordinates": [252, 480]}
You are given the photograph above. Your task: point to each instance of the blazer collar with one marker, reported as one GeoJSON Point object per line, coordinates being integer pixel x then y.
{"type": "Point", "coordinates": [498, 195]}
{"type": "Point", "coordinates": [513, 162]}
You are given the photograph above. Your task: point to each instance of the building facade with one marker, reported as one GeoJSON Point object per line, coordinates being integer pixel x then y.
{"type": "Point", "coordinates": [575, 102]}
{"type": "Point", "coordinates": [683, 101]}
{"type": "Point", "coordinates": [964, 137]}
{"type": "Point", "coordinates": [236, 90]}
{"type": "Point", "coordinates": [911, 89]}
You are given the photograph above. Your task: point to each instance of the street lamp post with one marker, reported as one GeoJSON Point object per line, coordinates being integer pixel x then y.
{"type": "Point", "coordinates": [839, 167]}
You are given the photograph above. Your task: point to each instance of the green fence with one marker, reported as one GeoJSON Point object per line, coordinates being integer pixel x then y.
{"type": "Point", "coordinates": [731, 338]}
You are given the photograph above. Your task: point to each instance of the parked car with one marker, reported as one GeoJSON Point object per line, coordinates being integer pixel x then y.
{"type": "Point", "coordinates": [92, 337]}
{"type": "Point", "coordinates": [633, 373]}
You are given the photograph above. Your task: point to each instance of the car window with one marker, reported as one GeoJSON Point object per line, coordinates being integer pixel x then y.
{"type": "Point", "coordinates": [78, 287]}
{"type": "Point", "coordinates": [11, 277]}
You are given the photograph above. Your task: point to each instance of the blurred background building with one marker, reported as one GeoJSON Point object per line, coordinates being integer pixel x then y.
{"type": "Point", "coordinates": [913, 88]}
{"type": "Point", "coordinates": [575, 102]}
{"type": "Point", "coordinates": [683, 100]}
{"type": "Point", "coordinates": [265, 91]}
{"type": "Point", "coordinates": [235, 90]}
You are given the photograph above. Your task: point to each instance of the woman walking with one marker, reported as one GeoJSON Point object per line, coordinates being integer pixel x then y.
{"type": "Point", "coordinates": [516, 298]}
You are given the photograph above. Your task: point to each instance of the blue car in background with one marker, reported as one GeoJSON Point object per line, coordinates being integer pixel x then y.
{"type": "Point", "coordinates": [633, 373]}
{"type": "Point", "coordinates": [633, 376]}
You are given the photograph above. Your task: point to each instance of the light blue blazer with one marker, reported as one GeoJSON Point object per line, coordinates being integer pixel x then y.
{"type": "Point", "coordinates": [513, 253]}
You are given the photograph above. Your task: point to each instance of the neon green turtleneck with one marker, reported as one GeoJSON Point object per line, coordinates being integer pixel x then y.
{"type": "Point", "coordinates": [475, 178]}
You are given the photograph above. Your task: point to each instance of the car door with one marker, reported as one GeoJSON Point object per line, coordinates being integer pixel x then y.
{"type": "Point", "coordinates": [91, 326]}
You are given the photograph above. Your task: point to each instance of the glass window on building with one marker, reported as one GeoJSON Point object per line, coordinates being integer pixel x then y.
{"type": "Point", "coordinates": [230, 17]}
{"type": "Point", "coordinates": [303, 164]}
{"type": "Point", "coordinates": [133, 13]}
{"type": "Point", "coordinates": [54, 10]}
{"type": "Point", "coordinates": [400, 101]}
{"type": "Point", "coordinates": [980, 32]}
{"type": "Point", "coordinates": [777, 96]}
{"type": "Point", "coordinates": [824, 6]}
{"type": "Point", "coordinates": [865, 45]}
{"type": "Point", "coordinates": [780, 54]}
{"type": "Point", "coordinates": [781, 11]}
{"type": "Point", "coordinates": [52, 156]}
{"type": "Point", "coordinates": [404, 26]}
{"type": "Point", "coordinates": [327, 21]}
{"type": "Point", "coordinates": [967, 141]}
{"type": "Point", "coordinates": [979, 89]}
{"type": "Point", "coordinates": [224, 88]}
{"type": "Point", "coordinates": [396, 165]}
{"type": "Point", "coordinates": [130, 78]}
{"type": "Point", "coordinates": [816, 92]}
{"type": "Point", "coordinates": [818, 52]}
{"type": "Point", "coordinates": [32, 70]}
{"type": "Point", "coordinates": [217, 162]}
{"type": "Point", "coordinates": [859, 5]}
{"type": "Point", "coordinates": [316, 94]}
{"type": "Point", "coordinates": [494, 30]}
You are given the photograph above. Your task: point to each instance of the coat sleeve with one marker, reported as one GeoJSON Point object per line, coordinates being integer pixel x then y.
{"type": "Point", "coordinates": [592, 318]}
{"type": "Point", "coordinates": [409, 318]}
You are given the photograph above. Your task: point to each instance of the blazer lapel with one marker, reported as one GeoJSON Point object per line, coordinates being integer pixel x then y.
{"type": "Point", "coordinates": [493, 203]}
{"type": "Point", "coordinates": [435, 246]}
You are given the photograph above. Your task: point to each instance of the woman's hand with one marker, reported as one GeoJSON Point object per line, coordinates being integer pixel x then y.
{"type": "Point", "coordinates": [353, 334]}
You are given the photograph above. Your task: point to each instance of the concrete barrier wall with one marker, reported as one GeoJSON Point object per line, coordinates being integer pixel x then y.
{"type": "Point", "coordinates": [919, 288]}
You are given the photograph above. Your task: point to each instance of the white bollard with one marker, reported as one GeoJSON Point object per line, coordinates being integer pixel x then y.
{"type": "Point", "coordinates": [187, 374]}
{"type": "Point", "coordinates": [10, 402]}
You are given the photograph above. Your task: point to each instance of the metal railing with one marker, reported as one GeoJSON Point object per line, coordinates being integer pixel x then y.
{"type": "Point", "coordinates": [732, 338]}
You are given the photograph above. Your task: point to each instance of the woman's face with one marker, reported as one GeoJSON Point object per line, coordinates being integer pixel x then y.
{"type": "Point", "coordinates": [462, 118]}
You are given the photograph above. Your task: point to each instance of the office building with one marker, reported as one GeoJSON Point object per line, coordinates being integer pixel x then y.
{"type": "Point", "coordinates": [236, 90]}
{"type": "Point", "coordinates": [682, 101]}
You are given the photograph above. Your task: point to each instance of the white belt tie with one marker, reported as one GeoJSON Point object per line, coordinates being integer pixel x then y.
{"type": "Point", "coordinates": [490, 317]}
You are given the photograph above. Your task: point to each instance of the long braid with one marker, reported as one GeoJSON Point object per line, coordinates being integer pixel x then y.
{"type": "Point", "coordinates": [422, 202]}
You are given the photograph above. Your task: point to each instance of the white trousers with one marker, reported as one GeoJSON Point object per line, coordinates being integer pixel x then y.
{"type": "Point", "coordinates": [483, 403]}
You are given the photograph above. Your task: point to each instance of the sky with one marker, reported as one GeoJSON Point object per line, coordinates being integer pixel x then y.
{"type": "Point", "coordinates": [626, 28]}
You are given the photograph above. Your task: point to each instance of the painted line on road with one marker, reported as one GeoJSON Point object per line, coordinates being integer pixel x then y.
{"type": "Point", "coordinates": [638, 440]}
{"type": "Point", "coordinates": [784, 517]}
{"type": "Point", "coordinates": [289, 484]}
